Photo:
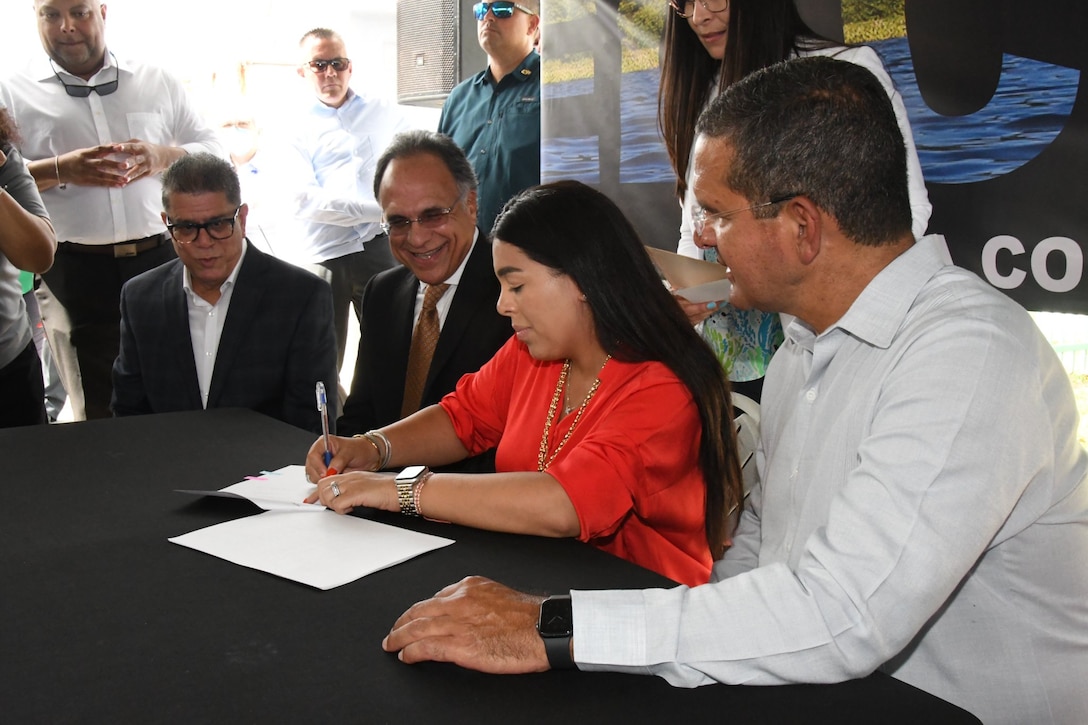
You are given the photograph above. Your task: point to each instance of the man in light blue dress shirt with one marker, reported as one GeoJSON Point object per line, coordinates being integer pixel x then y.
{"type": "Point", "coordinates": [334, 150]}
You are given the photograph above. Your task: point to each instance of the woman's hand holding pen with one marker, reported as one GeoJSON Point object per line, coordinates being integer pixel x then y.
{"type": "Point", "coordinates": [348, 454]}
{"type": "Point", "coordinates": [345, 491]}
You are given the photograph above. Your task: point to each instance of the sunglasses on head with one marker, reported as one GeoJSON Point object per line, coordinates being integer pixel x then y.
{"type": "Point", "coordinates": [338, 64]}
{"type": "Point", "coordinates": [501, 9]}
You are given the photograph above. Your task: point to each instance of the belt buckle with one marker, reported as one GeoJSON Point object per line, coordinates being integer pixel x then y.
{"type": "Point", "coordinates": [124, 250]}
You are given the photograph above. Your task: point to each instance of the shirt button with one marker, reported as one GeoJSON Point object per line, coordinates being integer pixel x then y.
{"type": "Point", "coordinates": [810, 395]}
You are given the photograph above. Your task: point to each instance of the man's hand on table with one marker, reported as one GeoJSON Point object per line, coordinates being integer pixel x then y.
{"type": "Point", "coordinates": [476, 623]}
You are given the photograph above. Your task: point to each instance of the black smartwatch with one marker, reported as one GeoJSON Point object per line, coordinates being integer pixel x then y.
{"type": "Point", "coordinates": [556, 627]}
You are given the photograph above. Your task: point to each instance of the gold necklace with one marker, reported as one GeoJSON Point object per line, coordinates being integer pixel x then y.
{"type": "Point", "coordinates": [543, 460]}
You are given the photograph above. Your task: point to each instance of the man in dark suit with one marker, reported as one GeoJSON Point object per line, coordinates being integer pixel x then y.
{"type": "Point", "coordinates": [224, 325]}
{"type": "Point", "coordinates": [427, 191]}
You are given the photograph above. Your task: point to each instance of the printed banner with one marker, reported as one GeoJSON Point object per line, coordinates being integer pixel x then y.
{"type": "Point", "coordinates": [991, 88]}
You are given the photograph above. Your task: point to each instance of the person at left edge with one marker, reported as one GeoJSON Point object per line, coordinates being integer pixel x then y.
{"type": "Point", "coordinates": [330, 159]}
{"type": "Point", "coordinates": [224, 325]}
{"type": "Point", "coordinates": [97, 130]}
{"type": "Point", "coordinates": [27, 241]}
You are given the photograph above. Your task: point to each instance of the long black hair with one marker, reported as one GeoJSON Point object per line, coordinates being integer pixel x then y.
{"type": "Point", "coordinates": [578, 231]}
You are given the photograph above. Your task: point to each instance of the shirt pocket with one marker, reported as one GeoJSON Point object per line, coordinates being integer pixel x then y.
{"type": "Point", "coordinates": [149, 127]}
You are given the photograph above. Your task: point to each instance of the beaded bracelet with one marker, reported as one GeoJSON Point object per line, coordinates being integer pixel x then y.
{"type": "Point", "coordinates": [418, 491]}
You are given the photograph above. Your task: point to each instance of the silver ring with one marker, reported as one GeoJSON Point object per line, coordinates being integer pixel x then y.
{"type": "Point", "coordinates": [335, 489]}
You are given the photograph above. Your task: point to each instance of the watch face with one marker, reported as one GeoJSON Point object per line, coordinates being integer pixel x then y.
{"type": "Point", "coordinates": [556, 619]}
{"type": "Point", "coordinates": [411, 473]}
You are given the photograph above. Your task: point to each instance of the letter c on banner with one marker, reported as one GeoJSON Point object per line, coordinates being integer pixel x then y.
{"type": "Point", "coordinates": [1074, 264]}
{"type": "Point", "coordinates": [1014, 278]}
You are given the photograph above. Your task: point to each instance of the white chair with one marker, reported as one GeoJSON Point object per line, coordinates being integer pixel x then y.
{"type": "Point", "coordinates": [746, 422]}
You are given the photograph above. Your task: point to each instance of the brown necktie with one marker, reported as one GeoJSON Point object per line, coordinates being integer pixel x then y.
{"type": "Point", "coordinates": [424, 339]}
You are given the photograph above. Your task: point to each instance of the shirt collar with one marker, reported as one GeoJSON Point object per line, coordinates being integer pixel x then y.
{"type": "Point", "coordinates": [525, 71]}
{"type": "Point", "coordinates": [880, 310]}
{"type": "Point", "coordinates": [454, 278]}
{"type": "Point", "coordinates": [350, 99]}
{"type": "Point", "coordinates": [42, 69]}
{"type": "Point", "coordinates": [187, 280]}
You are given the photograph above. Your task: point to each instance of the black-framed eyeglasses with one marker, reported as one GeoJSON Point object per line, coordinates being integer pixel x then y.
{"type": "Point", "coordinates": [501, 9]}
{"type": "Point", "coordinates": [318, 65]}
{"type": "Point", "coordinates": [218, 229]}
{"type": "Point", "coordinates": [687, 9]}
{"type": "Point", "coordinates": [398, 227]}
{"type": "Point", "coordinates": [699, 216]}
{"type": "Point", "coordinates": [82, 91]}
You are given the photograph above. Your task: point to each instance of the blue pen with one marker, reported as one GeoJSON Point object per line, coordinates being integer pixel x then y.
{"type": "Point", "coordinates": [323, 406]}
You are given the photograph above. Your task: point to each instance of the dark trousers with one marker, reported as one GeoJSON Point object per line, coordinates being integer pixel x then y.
{"type": "Point", "coordinates": [22, 390]}
{"type": "Point", "coordinates": [348, 276]}
{"type": "Point", "coordinates": [80, 304]}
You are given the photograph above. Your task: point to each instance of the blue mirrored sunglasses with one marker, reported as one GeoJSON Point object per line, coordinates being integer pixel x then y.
{"type": "Point", "coordinates": [500, 9]}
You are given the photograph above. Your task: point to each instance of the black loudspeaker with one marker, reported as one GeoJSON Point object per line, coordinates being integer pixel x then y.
{"type": "Point", "coordinates": [823, 16]}
{"type": "Point", "coordinates": [436, 49]}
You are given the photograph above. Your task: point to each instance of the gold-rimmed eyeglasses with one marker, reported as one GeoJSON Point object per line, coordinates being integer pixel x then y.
{"type": "Point", "coordinates": [686, 9]}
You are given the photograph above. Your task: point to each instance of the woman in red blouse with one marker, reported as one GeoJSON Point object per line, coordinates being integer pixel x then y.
{"type": "Point", "coordinates": [610, 416]}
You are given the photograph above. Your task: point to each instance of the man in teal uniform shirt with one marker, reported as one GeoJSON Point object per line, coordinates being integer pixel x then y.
{"type": "Point", "coordinates": [495, 115]}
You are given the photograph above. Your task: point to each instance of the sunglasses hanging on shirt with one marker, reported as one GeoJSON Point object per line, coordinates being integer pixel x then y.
{"type": "Point", "coordinates": [82, 91]}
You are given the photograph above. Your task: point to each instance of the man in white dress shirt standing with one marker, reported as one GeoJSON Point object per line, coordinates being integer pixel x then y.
{"type": "Point", "coordinates": [97, 132]}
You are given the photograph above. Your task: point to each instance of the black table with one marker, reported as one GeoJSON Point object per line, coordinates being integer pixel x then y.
{"type": "Point", "coordinates": [104, 620]}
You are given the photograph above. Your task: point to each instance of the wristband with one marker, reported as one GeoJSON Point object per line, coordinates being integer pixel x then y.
{"type": "Point", "coordinates": [56, 168]}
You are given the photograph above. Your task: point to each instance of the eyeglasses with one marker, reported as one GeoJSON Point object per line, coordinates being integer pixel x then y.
{"type": "Point", "coordinates": [218, 229]}
{"type": "Point", "coordinates": [337, 64]}
{"type": "Point", "coordinates": [399, 226]}
{"type": "Point", "coordinates": [82, 91]}
{"type": "Point", "coordinates": [687, 9]}
{"type": "Point", "coordinates": [699, 217]}
{"type": "Point", "coordinates": [501, 9]}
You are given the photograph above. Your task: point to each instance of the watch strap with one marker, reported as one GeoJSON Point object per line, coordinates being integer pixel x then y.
{"type": "Point", "coordinates": [558, 651]}
{"type": "Point", "coordinates": [406, 497]}
{"type": "Point", "coordinates": [556, 627]}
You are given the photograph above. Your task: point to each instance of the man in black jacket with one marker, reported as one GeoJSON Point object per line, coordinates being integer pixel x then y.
{"type": "Point", "coordinates": [427, 190]}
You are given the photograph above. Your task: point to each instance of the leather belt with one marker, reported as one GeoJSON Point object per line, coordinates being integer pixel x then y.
{"type": "Point", "coordinates": [121, 249]}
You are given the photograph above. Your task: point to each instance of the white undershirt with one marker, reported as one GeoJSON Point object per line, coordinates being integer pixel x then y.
{"type": "Point", "coordinates": [206, 324]}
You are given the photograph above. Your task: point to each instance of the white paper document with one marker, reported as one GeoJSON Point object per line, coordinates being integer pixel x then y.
{"type": "Point", "coordinates": [324, 550]}
{"type": "Point", "coordinates": [282, 489]}
{"type": "Point", "coordinates": [693, 279]}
